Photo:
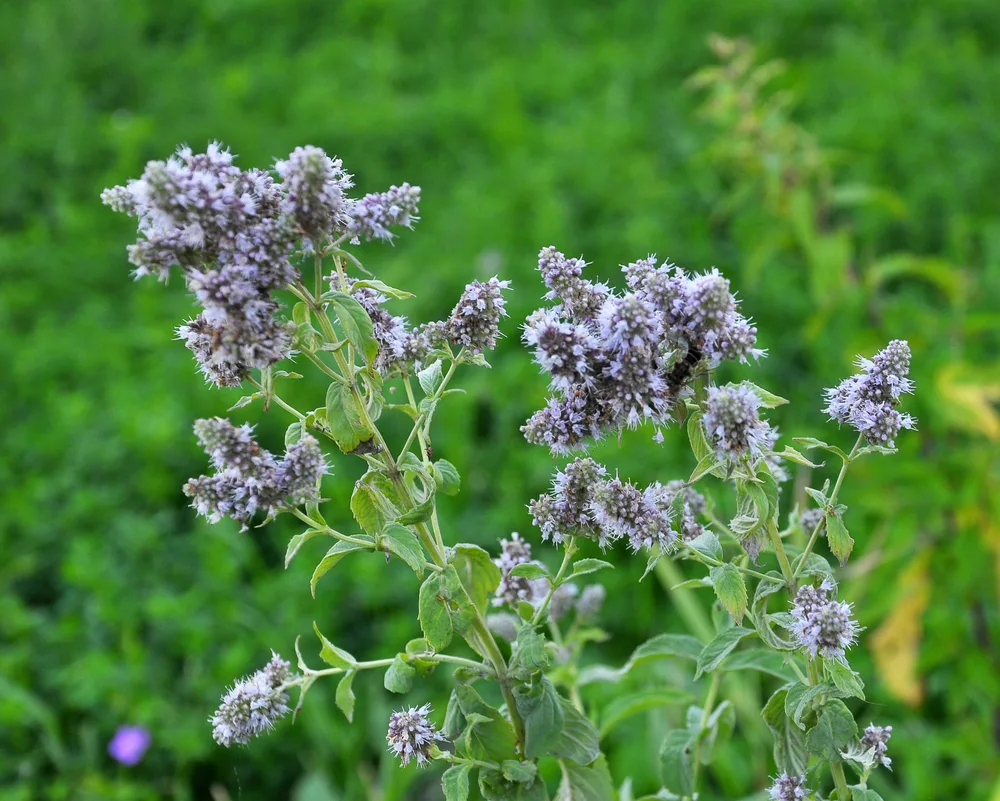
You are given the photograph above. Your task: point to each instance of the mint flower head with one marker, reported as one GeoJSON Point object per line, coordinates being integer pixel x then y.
{"type": "Point", "coordinates": [788, 788]}
{"type": "Point", "coordinates": [568, 510]}
{"type": "Point", "coordinates": [315, 191]}
{"type": "Point", "coordinates": [512, 589]}
{"type": "Point", "coordinates": [623, 510]}
{"type": "Point", "coordinates": [823, 627]}
{"type": "Point", "coordinates": [253, 705]}
{"type": "Point", "coordinates": [373, 215]}
{"type": "Point", "coordinates": [732, 422]}
{"type": "Point", "coordinates": [411, 735]}
{"type": "Point", "coordinates": [475, 320]}
{"type": "Point", "coordinates": [876, 739]}
{"type": "Point", "coordinates": [867, 401]}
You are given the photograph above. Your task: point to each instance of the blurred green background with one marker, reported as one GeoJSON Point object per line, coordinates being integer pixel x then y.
{"type": "Point", "coordinates": [851, 200]}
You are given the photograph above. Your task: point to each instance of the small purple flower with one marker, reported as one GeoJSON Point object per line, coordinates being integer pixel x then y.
{"type": "Point", "coordinates": [129, 744]}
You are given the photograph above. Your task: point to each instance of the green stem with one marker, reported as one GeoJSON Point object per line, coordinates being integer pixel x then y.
{"type": "Point", "coordinates": [705, 559]}
{"type": "Point", "coordinates": [568, 552]}
{"type": "Point", "coordinates": [713, 691]}
{"type": "Point", "coordinates": [832, 501]}
{"type": "Point", "coordinates": [779, 549]}
{"type": "Point", "coordinates": [327, 530]}
{"type": "Point", "coordinates": [290, 409]}
{"type": "Point", "coordinates": [840, 781]}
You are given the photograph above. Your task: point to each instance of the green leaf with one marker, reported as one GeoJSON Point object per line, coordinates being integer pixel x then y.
{"type": "Point", "coordinates": [344, 418]}
{"type": "Point", "coordinates": [488, 735]}
{"type": "Point", "coordinates": [585, 784]}
{"type": "Point", "coordinates": [345, 695]}
{"type": "Point", "coordinates": [832, 732]}
{"type": "Point", "coordinates": [331, 654]}
{"type": "Point", "coordinates": [790, 752]}
{"type": "Point", "coordinates": [531, 571]}
{"type": "Point", "coordinates": [859, 793]}
{"type": "Point", "coordinates": [709, 463]}
{"type": "Point", "coordinates": [297, 542]}
{"type": "Point", "coordinates": [800, 700]}
{"type": "Point", "coordinates": [356, 323]}
{"type": "Point", "coordinates": [718, 649]}
{"type": "Point", "coordinates": [543, 716]}
{"type": "Point", "coordinates": [434, 615]}
{"type": "Point", "coordinates": [430, 378]}
{"type": "Point", "coordinates": [793, 455]}
{"type": "Point", "coordinates": [418, 514]}
{"type": "Point", "coordinates": [399, 676]}
{"type": "Point", "coordinates": [293, 434]}
{"type": "Point", "coordinates": [454, 720]}
{"type": "Point", "coordinates": [334, 555]}
{"type": "Point", "coordinates": [455, 783]}
{"type": "Point", "coordinates": [760, 659]}
{"type": "Point", "coordinates": [846, 680]}
{"type": "Point", "coordinates": [384, 288]}
{"type": "Point", "coordinates": [718, 729]}
{"type": "Point", "coordinates": [401, 541]}
{"type": "Point", "coordinates": [761, 620]}
{"type": "Point", "coordinates": [809, 442]}
{"type": "Point", "coordinates": [707, 544]}
{"type": "Point", "coordinates": [478, 573]}
{"type": "Point", "coordinates": [578, 741]}
{"type": "Point", "coordinates": [364, 508]}
{"type": "Point", "coordinates": [731, 589]}
{"type": "Point", "coordinates": [625, 706]}
{"type": "Point", "coordinates": [767, 399]}
{"type": "Point", "coordinates": [585, 566]}
{"type": "Point", "coordinates": [446, 477]}
{"type": "Point", "coordinates": [521, 772]}
{"type": "Point", "coordinates": [531, 648]}
{"type": "Point", "coordinates": [494, 786]}
{"type": "Point", "coordinates": [676, 764]}
{"type": "Point", "coordinates": [663, 646]}
{"type": "Point", "coordinates": [837, 537]}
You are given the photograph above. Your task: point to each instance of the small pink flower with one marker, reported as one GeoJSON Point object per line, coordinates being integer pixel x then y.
{"type": "Point", "coordinates": [129, 744]}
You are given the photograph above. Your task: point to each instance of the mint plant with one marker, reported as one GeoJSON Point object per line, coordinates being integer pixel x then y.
{"type": "Point", "coordinates": [513, 632]}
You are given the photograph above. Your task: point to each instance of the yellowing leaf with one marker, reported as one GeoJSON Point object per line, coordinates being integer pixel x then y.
{"type": "Point", "coordinates": [896, 642]}
{"type": "Point", "coordinates": [969, 399]}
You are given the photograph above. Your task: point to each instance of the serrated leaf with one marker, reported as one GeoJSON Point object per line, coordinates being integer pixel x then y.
{"type": "Point", "coordinates": [760, 659]}
{"type": "Point", "coordinates": [846, 680]}
{"type": "Point", "coordinates": [246, 400]}
{"type": "Point", "coordinates": [800, 699]}
{"type": "Point", "coordinates": [790, 752]}
{"type": "Point", "coordinates": [663, 646]}
{"type": "Point", "coordinates": [446, 477]}
{"type": "Point", "coordinates": [344, 418]}
{"type": "Point", "coordinates": [356, 323]}
{"type": "Point", "coordinates": [531, 648]}
{"type": "Point", "coordinates": [434, 615]}
{"type": "Point", "coordinates": [625, 706]}
{"type": "Point", "coordinates": [488, 735]}
{"type": "Point", "coordinates": [840, 542]}
{"type": "Point", "coordinates": [520, 772]}
{"type": "Point", "coordinates": [578, 740]}
{"type": "Point", "coordinates": [530, 571]}
{"type": "Point", "coordinates": [399, 676]}
{"type": "Point", "coordinates": [381, 286]}
{"type": "Point", "coordinates": [707, 544]}
{"type": "Point", "coordinates": [345, 695]}
{"type": "Point", "coordinates": [833, 731]}
{"type": "Point", "coordinates": [585, 784]}
{"type": "Point", "coordinates": [296, 542]}
{"type": "Point", "coordinates": [478, 573]}
{"type": "Point", "coordinates": [709, 463]}
{"type": "Point", "coordinates": [430, 378]}
{"type": "Point", "coordinates": [859, 793]}
{"type": "Point", "coordinates": [819, 496]}
{"type": "Point", "coordinates": [793, 455]}
{"type": "Point", "coordinates": [364, 508]}
{"type": "Point", "coordinates": [585, 566]}
{"type": "Point", "coordinates": [543, 716]}
{"type": "Point", "coordinates": [418, 514]}
{"type": "Point", "coordinates": [331, 654]}
{"type": "Point", "coordinates": [455, 783]}
{"type": "Point", "coordinates": [334, 555]}
{"type": "Point", "coordinates": [730, 589]}
{"type": "Point", "coordinates": [718, 649]}
{"type": "Point", "coordinates": [401, 541]}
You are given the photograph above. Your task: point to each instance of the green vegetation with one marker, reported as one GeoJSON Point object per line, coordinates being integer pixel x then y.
{"type": "Point", "coordinates": [864, 209]}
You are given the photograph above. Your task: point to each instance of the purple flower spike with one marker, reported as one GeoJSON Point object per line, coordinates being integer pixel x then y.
{"type": "Point", "coordinates": [129, 744]}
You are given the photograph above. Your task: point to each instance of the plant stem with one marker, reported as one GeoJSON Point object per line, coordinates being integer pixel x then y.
{"type": "Point", "coordinates": [706, 712]}
{"type": "Point", "coordinates": [832, 501]}
{"type": "Point", "coordinates": [290, 409]}
{"type": "Point", "coordinates": [332, 532]}
{"type": "Point", "coordinates": [698, 556]}
{"type": "Point", "coordinates": [779, 549]}
{"type": "Point", "coordinates": [840, 781]}
{"type": "Point", "coordinates": [568, 552]}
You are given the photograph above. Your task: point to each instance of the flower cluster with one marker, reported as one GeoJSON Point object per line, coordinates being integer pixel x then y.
{"type": "Point", "coordinates": [512, 589]}
{"type": "Point", "coordinates": [583, 503]}
{"type": "Point", "coordinates": [788, 788]}
{"type": "Point", "coordinates": [821, 625]}
{"type": "Point", "coordinates": [876, 740]}
{"type": "Point", "coordinates": [411, 734]}
{"type": "Point", "coordinates": [867, 401]}
{"type": "Point", "coordinates": [732, 422]}
{"type": "Point", "coordinates": [618, 360]}
{"type": "Point", "coordinates": [232, 233]}
{"type": "Point", "coordinates": [811, 518]}
{"type": "Point", "coordinates": [253, 704]}
{"type": "Point", "coordinates": [249, 478]}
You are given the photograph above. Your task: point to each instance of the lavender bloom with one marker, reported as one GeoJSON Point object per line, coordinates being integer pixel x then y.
{"type": "Point", "coordinates": [474, 322]}
{"type": "Point", "coordinates": [129, 744]}
{"type": "Point", "coordinates": [390, 332]}
{"type": "Point", "coordinates": [690, 505]}
{"type": "Point", "coordinates": [512, 589]}
{"type": "Point", "coordinates": [811, 518]}
{"type": "Point", "coordinates": [591, 600]}
{"type": "Point", "coordinates": [565, 351]}
{"type": "Point", "coordinates": [867, 400]}
{"type": "Point", "coordinates": [822, 626]}
{"type": "Point", "coordinates": [622, 510]}
{"type": "Point", "coordinates": [876, 739]}
{"type": "Point", "coordinates": [788, 788]}
{"type": "Point", "coordinates": [315, 188]}
{"type": "Point", "coordinates": [230, 446]}
{"type": "Point", "coordinates": [565, 424]}
{"type": "Point", "coordinates": [774, 462]}
{"type": "Point", "coordinates": [566, 512]}
{"type": "Point", "coordinates": [253, 705]}
{"type": "Point", "coordinates": [300, 472]}
{"type": "Point", "coordinates": [411, 735]}
{"type": "Point", "coordinates": [372, 216]}
{"type": "Point", "coordinates": [732, 422]}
